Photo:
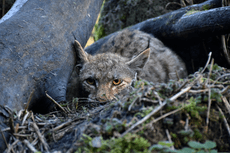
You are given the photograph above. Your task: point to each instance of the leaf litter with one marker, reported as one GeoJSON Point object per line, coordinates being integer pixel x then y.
{"type": "Point", "coordinates": [147, 117]}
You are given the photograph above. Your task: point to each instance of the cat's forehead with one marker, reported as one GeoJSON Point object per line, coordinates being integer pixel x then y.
{"type": "Point", "coordinates": [105, 61]}
{"type": "Point", "coordinates": [107, 58]}
{"type": "Point", "coordinates": [105, 66]}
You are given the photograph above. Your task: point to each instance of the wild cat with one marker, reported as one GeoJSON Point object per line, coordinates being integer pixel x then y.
{"type": "Point", "coordinates": [124, 57]}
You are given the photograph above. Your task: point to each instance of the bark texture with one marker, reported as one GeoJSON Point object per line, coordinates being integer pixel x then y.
{"type": "Point", "coordinates": [36, 50]}
{"type": "Point", "coordinates": [191, 32]}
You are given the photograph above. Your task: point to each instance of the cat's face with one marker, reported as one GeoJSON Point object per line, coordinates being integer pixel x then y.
{"type": "Point", "coordinates": [104, 75]}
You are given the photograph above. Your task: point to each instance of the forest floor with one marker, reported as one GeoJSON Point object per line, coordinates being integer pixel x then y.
{"type": "Point", "coordinates": [188, 115]}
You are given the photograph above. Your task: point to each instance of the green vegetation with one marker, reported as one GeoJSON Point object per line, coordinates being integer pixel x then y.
{"type": "Point", "coordinates": [196, 147]}
{"type": "Point", "coordinates": [135, 143]}
{"type": "Point", "coordinates": [99, 32]}
{"type": "Point", "coordinates": [206, 7]}
{"type": "Point", "coordinates": [128, 143]}
{"type": "Point", "coordinates": [192, 11]}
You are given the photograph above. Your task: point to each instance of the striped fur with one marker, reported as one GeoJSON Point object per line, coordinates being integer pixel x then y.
{"type": "Point", "coordinates": [123, 56]}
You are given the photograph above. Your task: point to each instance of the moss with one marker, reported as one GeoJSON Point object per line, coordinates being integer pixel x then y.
{"type": "Point", "coordinates": [145, 112]}
{"type": "Point", "coordinates": [197, 134]}
{"type": "Point", "coordinates": [99, 32]}
{"type": "Point", "coordinates": [123, 17]}
{"type": "Point", "coordinates": [216, 95]}
{"type": "Point", "coordinates": [128, 143]}
{"type": "Point", "coordinates": [192, 11]}
{"type": "Point", "coordinates": [206, 7]}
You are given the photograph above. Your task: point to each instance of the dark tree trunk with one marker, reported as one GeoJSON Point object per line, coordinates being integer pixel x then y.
{"type": "Point", "coordinates": [186, 34]}
{"type": "Point", "coordinates": [36, 51]}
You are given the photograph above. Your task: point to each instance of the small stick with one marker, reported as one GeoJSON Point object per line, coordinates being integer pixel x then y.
{"type": "Point", "coordinates": [169, 137]}
{"type": "Point", "coordinates": [225, 49]}
{"type": "Point", "coordinates": [161, 117]}
{"type": "Point", "coordinates": [160, 107]}
{"type": "Point", "coordinates": [216, 86]}
{"type": "Point", "coordinates": [55, 102]}
{"type": "Point", "coordinates": [209, 57]}
{"type": "Point", "coordinates": [29, 100]}
{"type": "Point", "coordinates": [4, 138]}
{"type": "Point", "coordinates": [180, 93]}
{"type": "Point", "coordinates": [16, 128]}
{"type": "Point", "coordinates": [19, 114]}
{"type": "Point", "coordinates": [11, 146]}
{"type": "Point", "coordinates": [3, 7]}
{"type": "Point", "coordinates": [228, 74]}
{"type": "Point", "coordinates": [225, 121]}
{"type": "Point", "coordinates": [198, 91]}
{"type": "Point", "coordinates": [30, 146]}
{"type": "Point", "coordinates": [208, 111]}
{"type": "Point", "coordinates": [66, 123]}
{"type": "Point", "coordinates": [210, 72]}
{"type": "Point", "coordinates": [20, 127]}
{"type": "Point", "coordinates": [149, 100]}
{"type": "Point", "coordinates": [186, 124]}
{"type": "Point", "coordinates": [145, 118]}
{"type": "Point", "coordinates": [21, 135]}
{"type": "Point", "coordinates": [209, 96]}
{"type": "Point", "coordinates": [135, 100]}
{"type": "Point", "coordinates": [25, 117]}
{"type": "Point", "coordinates": [11, 124]}
{"type": "Point", "coordinates": [182, 86]}
{"type": "Point", "coordinates": [225, 90]}
{"type": "Point", "coordinates": [158, 97]}
{"type": "Point", "coordinates": [46, 146]}
{"type": "Point", "coordinates": [227, 105]}
{"type": "Point", "coordinates": [165, 115]}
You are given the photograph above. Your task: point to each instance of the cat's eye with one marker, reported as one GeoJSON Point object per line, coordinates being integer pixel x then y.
{"type": "Point", "coordinates": [90, 81]}
{"type": "Point", "coordinates": [117, 82]}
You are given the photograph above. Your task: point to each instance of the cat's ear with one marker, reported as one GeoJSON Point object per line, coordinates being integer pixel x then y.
{"type": "Point", "coordinates": [82, 55]}
{"type": "Point", "coordinates": [139, 61]}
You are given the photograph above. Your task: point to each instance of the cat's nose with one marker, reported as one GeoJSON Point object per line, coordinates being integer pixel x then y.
{"type": "Point", "coordinates": [101, 99]}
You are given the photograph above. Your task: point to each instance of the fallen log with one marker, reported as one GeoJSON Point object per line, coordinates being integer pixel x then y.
{"type": "Point", "coordinates": [187, 31]}
{"type": "Point", "coordinates": [36, 50]}
{"type": "Point", "coordinates": [37, 54]}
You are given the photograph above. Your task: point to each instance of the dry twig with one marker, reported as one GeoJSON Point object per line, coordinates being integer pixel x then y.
{"type": "Point", "coordinates": [159, 118]}
{"type": "Point", "coordinates": [3, 7]}
{"type": "Point", "coordinates": [225, 121]}
{"type": "Point", "coordinates": [66, 123]}
{"type": "Point", "coordinates": [226, 103]}
{"type": "Point", "coordinates": [30, 146]}
{"type": "Point", "coordinates": [209, 96]}
{"type": "Point", "coordinates": [11, 146]}
{"type": "Point", "coordinates": [41, 138]}
{"type": "Point", "coordinates": [4, 138]}
{"type": "Point", "coordinates": [29, 100]}
{"type": "Point", "coordinates": [169, 137]}
{"type": "Point", "coordinates": [209, 57]}
{"type": "Point", "coordinates": [55, 102]}
{"type": "Point", "coordinates": [161, 106]}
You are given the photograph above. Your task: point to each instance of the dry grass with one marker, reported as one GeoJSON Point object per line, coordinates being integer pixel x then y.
{"type": "Point", "coordinates": [198, 105]}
